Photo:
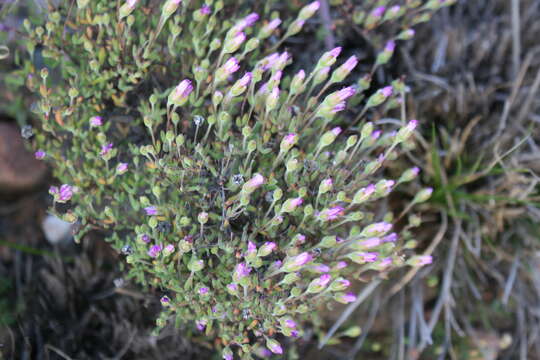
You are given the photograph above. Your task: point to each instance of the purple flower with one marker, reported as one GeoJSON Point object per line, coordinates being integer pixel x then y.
{"type": "Point", "coordinates": [412, 125]}
{"type": "Point", "coordinates": [282, 60]}
{"type": "Point", "coordinates": [245, 80]}
{"type": "Point", "coordinates": [232, 287]}
{"type": "Point", "coordinates": [96, 121]}
{"type": "Point", "coordinates": [63, 194]}
{"type": "Point", "coordinates": [203, 290]}
{"type": "Point", "coordinates": [165, 301]}
{"type": "Point", "coordinates": [323, 280]}
{"type": "Point", "coordinates": [274, 346]}
{"type": "Point", "coordinates": [320, 268]}
{"type": "Point", "coordinates": [424, 260]}
{"type": "Point", "coordinates": [151, 210]}
{"type": "Point", "coordinates": [227, 357]}
{"type": "Point", "coordinates": [249, 20]}
{"type": "Point", "coordinates": [154, 251]}
{"type": "Point", "coordinates": [390, 238]}
{"type": "Point", "coordinates": [294, 333]}
{"type": "Point", "coordinates": [145, 238]}
{"type": "Point", "coordinates": [394, 9]}
{"type": "Point", "coordinates": [376, 134]}
{"type": "Point", "coordinates": [291, 324]}
{"type": "Point", "coordinates": [386, 91]}
{"type": "Point", "coordinates": [384, 263]}
{"type": "Point", "coordinates": [289, 140]}
{"type": "Point", "coordinates": [121, 168]}
{"type": "Point", "coordinates": [205, 9]}
{"type": "Point", "coordinates": [106, 149]}
{"type": "Point", "coordinates": [378, 11]}
{"type": "Point", "coordinates": [332, 213]}
{"type": "Point", "coordinates": [389, 47]}
{"type": "Point", "coordinates": [40, 154]}
{"type": "Point", "coordinates": [241, 270]}
{"type": "Point", "coordinates": [200, 324]}
{"type": "Point", "coordinates": [252, 249]}
{"type": "Point", "coordinates": [340, 265]}
{"type": "Point", "coordinates": [336, 131]}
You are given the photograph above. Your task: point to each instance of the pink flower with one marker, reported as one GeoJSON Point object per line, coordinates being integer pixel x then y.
{"type": "Point", "coordinates": [390, 238]}
{"type": "Point", "coordinates": [386, 91]}
{"type": "Point", "coordinates": [250, 20]}
{"type": "Point", "coordinates": [378, 12]}
{"type": "Point", "coordinates": [425, 259]}
{"type": "Point", "coordinates": [150, 210]}
{"type": "Point", "coordinates": [205, 9]}
{"type": "Point", "coordinates": [106, 149]}
{"type": "Point", "coordinates": [340, 265]}
{"type": "Point", "coordinates": [346, 298]}
{"type": "Point", "coordinates": [40, 154]}
{"type": "Point", "coordinates": [251, 185]}
{"type": "Point", "coordinates": [96, 121]}
{"type": "Point", "coordinates": [369, 243]}
{"type": "Point", "coordinates": [296, 262]}
{"type": "Point", "coordinates": [154, 251]}
{"type": "Point", "coordinates": [338, 107]}
{"type": "Point", "coordinates": [335, 51]}
{"type": "Point", "coordinates": [200, 324]}
{"type": "Point", "coordinates": [269, 61]}
{"type": "Point", "coordinates": [245, 80]}
{"type": "Point", "coordinates": [291, 324]}
{"type": "Point", "coordinates": [252, 249]}
{"type": "Point", "coordinates": [336, 131]}
{"type": "Point", "coordinates": [389, 47]}
{"type": "Point", "coordinates": [203, 290]}
{"type": "Point", "coordinates": [165, 301]}
{"type": "Point", "coordinates": [241, 271]}
{"type": "Point", "coordinates": [121, 168]}
{"type": "Point", "coordinates": [169, 249]}
{"type": "Point", "coordinates": [63, 194]}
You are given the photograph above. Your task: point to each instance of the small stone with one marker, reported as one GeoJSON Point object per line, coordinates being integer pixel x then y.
{"type": "Point", "coordinates": [56, 230]}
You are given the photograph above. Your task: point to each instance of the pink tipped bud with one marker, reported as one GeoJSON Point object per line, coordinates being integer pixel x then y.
{"type": "Point", "coordinates": [295, 263]}
{"type": "Point", "coordinates": [288, 142]}
{"type": "Point", "coordinates": [266, 249]}
{"type": "Point", "coordinates": [181, 92]}
{"type": "Point", "coordinates": [332, 213]}
{"type": "Point", "coordinates": [251, 185]}
{"type": "Point", "coordinates": [325, 186]}
{"type": "Point", "coordinates": [345, 298]}
{"type": "Point", "coordinates": [274, 346]}
{"type": "Point", "coordinates": [308, 10]}
{"type": "Point", "coordinates": [241, 271]}
{"type": "Point", "coordinates": [336, 131]}
{"type": "Point", "coordinates": [40, 154]}
{"type": "Point", "coordinates": [319, 284]}
{"type": "Point", "coordinates": [267, 30]}
{"type": "Point", "coordinates": [121, 168]}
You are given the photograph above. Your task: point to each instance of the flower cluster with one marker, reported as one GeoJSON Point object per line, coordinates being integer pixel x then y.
{"type": "Point", "coordinates": [247, 194]}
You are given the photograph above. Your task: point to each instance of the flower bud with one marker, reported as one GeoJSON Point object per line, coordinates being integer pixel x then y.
{"type": "Point", "coordinates": [230, 67]}
{"type": "Point", "coordinates": [329, 58]}
{"type": "Point", "coordinates": [126, 9]}
{"type": "Point", "coordinates": [290, 278]}
{"type": "Point", "coordinates": [376, 229]}
{"type": "Point", "coordinates": [329, 137]}
{"type": "Point", "coordinates": [241, 85]}
{"type": "Point", "coordinates": [422, 195]}
{"type": "Point", "coordinates": [297, 83]}
{"type": "Point", "coordinates": [216, 98]}
{"type": "Point", "coordinates": [360, 257]}
{"type": "Point", "coordinates": [339, 284]}
{"type": "Point", "coordinates": [195, 265]}
{"type": "Point", "coordinates": [95, 121]}
{"type": "Point", "coordinates": [321, 75]}
{"type": "Point", "coordinates": [363, 194]}
{"type": "Point", "coordinates": [379, 97]}
{"type": "Point", "coordinates": [307, 11]}
{"type": "Point", "coordinates": [255, 182]}
{"type": "Point", "coordinates": [165, 301]}
{"type": "Point", "coordinates": [386, 54]}
{"type": "Point", "coordinates": [409, 175]}
{"type": "Point", "coordinates": [288, 142]}
{"type": "Point", "coordinates": [405, 132]}
{"type": "Point", "coordinates": [331, 213]}
{"type": "Point", "coordinates": [40, 154]}
{"type": "Point", "coordinates": [266, 249]}
{"type": "Point", "coordinates": [328, 242]}
{"type": "Point", "coordinates": [202, 218]}
{"type": "Point", "coordinates": [406, 34]}
{"type": "Point", "coordinates": [241, 270]}
{"type": "Point", "coordinates": [232, 44]}
{"type": "Point", "coordinates": [169, 8]}
{"type": "Point", "coordinates": [179, 96]}
{"type": "Point", "coordinates": [169, 249]}
{"type": "Point", "coordinates": [291, 204]}
{"type": "Point", "coordinates": [420, 260]}
{"type": "Point", "coordinates": [267, 30]}
{"type": "Point", "coordinates": [295, 27]}
{"type": "Point", "coordinates": [325, 186]}
{"type": "Point", "coordinates": [341, 72]}
{"type": "Point", "coordinates": [274, 346]}
{"type": "Point", "coordinates": [345, 298]}
{"type": "Point", "coordinates": [121, 168]}
{"type": "Point", "coordinates": [272, 99]}
{"type": "Point", "coordinates": [295, 263]}
{"type": "Point", "coordinates": [154, 251]}
{"type": "Point", "coordinates": [319, 284]}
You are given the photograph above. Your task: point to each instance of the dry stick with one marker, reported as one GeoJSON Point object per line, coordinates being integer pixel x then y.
{"type": "Point", "coordinates": [58, 351]}
{"type": "Point", "coordinates": [324, 14]}
{"type": "Point", "coordinates": [447, 281]}
{"type": "Point", "coordinates": [530, 98]}
{"type": "Point", "coordinates": [365, 329]}
{"type": "Point", "coordinates": [516, 38]}
{"type": "Point", "coordinates": [362, 295]}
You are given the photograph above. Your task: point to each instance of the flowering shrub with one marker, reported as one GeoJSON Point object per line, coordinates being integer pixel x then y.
{"type": "Point", "coordinates": [246, 193]}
